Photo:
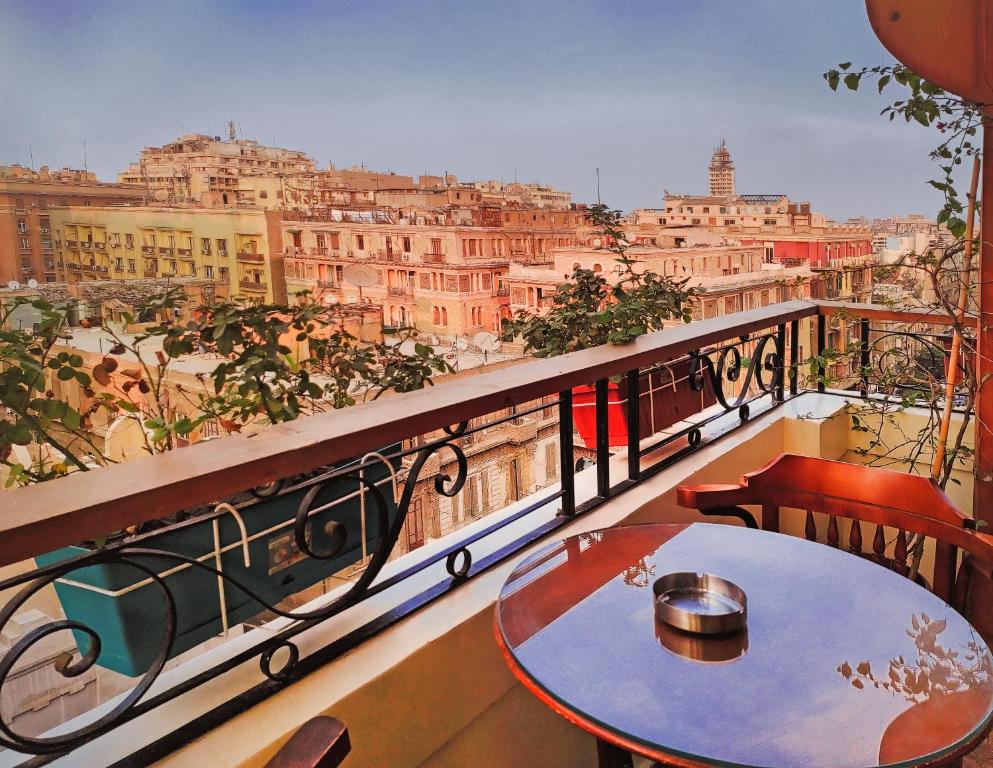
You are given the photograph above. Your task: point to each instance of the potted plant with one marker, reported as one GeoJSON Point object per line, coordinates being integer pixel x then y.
{"type": "Point", "coordinates": [591, 310]}
{"type": "Point", "coordinates": [275, 363]}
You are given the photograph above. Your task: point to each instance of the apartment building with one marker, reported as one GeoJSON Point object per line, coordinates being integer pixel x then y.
{"type": "Point", "coordinates": [27, 243]}
{"type": "Point", "coordinates": [445, 278]}
{"type": "Point", "coordinates": [205, 170]}
{"type": "Point", "coordinates": [143, 242]}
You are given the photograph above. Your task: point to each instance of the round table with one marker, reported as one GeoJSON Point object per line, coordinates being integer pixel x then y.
{"type": "Point", "coordinates": [842, 663]}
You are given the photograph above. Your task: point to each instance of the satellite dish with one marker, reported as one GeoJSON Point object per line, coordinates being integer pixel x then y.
{"type": "Point", "coordinates": [13, 285]}
{"type": "Point", "coordinates": [461, 345]}
{"type": "Point", "coordinates": [597, 243]}
{"type": "Point", "coordinates": [486, 342]}
{"type": "Point", "coordinates": [32, 283]}
{"type": "Point", "coordinates": [360, 275]}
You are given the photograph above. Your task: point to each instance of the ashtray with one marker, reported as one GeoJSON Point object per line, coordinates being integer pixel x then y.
{"type": "Point", "coordinates": [700, 602]}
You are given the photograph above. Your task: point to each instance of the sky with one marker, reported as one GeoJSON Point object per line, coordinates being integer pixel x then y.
{"type": "Point", "coordinates": [539, 90]}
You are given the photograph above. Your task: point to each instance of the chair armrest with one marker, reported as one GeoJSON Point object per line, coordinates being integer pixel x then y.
{"type": "Point", "coordinates": [321, 742]}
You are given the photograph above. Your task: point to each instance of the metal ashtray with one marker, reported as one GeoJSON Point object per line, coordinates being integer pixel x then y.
{"type": "Point", "coordinates": [700, 602]}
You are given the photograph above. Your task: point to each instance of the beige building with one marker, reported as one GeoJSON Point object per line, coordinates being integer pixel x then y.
{"type": "Point", "coordinates": [27, 243]}
{"type": "Point", "coordinates": [142, 242]}
{"type": "Point", "coordinates": [202, 169]}
{"type": "Point", "coordinates": [444, 278]}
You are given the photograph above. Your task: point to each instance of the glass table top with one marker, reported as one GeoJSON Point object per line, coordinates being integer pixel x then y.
{"type": "Point", "coordinates": [842, 662]}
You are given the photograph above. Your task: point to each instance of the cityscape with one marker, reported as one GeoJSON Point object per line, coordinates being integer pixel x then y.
{"type": "Point", "coordinates": [284, 444]}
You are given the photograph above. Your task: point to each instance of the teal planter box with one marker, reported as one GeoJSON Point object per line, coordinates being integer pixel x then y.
{"type": "Point", "coordinates": [130, 617]}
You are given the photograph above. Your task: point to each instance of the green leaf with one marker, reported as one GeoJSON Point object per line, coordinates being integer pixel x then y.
{"type": "Point", "coordinates": [883, 81]}
{"type": "Point", "coordinates": [852, 81]}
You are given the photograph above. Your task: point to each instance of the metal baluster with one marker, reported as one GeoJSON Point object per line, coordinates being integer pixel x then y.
{"type": "Point", "coordinates": [794, 356]}
{"type": "Point", "coordinates": [602, 440]}
{"type": "Point", "coordinates": [864, 357]}
{"type": "Point", "coordinates": [566, 454]}
{"type": "Point", "coordinates": [634, 422]}
{"type": "Point", "coordinates": [810, 527]}
{"type": "Point", "coordinates": [821, 342]}
{"type": "Point", "coordinates": [781, 370]}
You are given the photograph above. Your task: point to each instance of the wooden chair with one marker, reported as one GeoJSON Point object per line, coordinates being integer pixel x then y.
{"type": "Point", "coordinates": [321, 742]}
{"type": "Point", "coordinates": [911, 504]}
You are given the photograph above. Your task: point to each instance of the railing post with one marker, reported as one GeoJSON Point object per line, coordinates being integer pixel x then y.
{"type": "Point", "coordinates": [634, 422]}
{"type": "Point", "coordinates": [794, 354]}
{"type": "Point", "coordinates": [567, 465]}
{"type": "Point", "coordinates": [864, 356]}
{"type": "Point", "coordinates": [781, 372]}
{"type": "Point", "coordinates": [602, 440]}
{"type": "Point", "coordinates": [821, 341]}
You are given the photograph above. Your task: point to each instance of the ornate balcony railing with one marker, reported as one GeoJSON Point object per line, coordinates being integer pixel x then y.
{"type": "Point", "coordinates": [251, 285]}
{"type": "Point", "coordinates": [250, 257]}
{"type": "Point", "coordinates": [695, 383]}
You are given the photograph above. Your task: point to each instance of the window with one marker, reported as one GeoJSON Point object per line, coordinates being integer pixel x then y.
{"type": "Point", "coordinates": [222, 247]}
{"type": "Point", "coordinates": [769, 222]}
{"type": "Point", "coordinates": [706, 209]}
{"type": "Point", "coordinates": [406, 245]}
{"type": "Point", "coordinates": [131, 267]}
{"type": "Point", "coordinates": [129, 241]}
{"type": "Point", "coordinates": [118, 265]}
{"type": "Point", "coordinates": [208, 271]}
{"type": "Point", "coordinates": [22, 226]}
{"type": "Point", "coordinates": [695, 221]}
{"type": "Point", "coordinates": [728, 222]}
{"type": "Point", "coordinates": [25, 245]}
{"type": "Point", "coordinates": [335, 240]}
{"type": "Point", "coordinates": [205, 246]}
{"type": "Point", "coordinates": [436, 243]}
{"type": "Point", "coordinates": [360, 242]}
{"type": "Point", "coordinates": [551, 462]}
{"type": "Point", "coordinates": [320, 241]}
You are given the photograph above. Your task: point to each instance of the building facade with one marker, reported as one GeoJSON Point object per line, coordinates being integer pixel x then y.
{"type": "Point", "coordinates": [27, 241]}
{"type": "Point", "coordinates": [144, 242]}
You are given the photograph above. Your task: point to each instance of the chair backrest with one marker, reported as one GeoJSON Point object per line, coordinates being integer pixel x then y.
{"type": "Point", "coordinates": [911, 504]}
{"type": "Point", "coordinates": [321, 742]}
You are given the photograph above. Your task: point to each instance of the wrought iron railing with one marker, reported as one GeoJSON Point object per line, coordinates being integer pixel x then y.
{"type": "Point", "coordinates": [296, 502]}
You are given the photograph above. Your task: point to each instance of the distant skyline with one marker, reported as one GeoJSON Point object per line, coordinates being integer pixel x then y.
{"type": "Point", "coordinates": [547, 91]}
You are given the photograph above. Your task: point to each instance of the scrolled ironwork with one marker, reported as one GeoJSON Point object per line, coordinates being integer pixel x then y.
{"type": "Point", "coordinates": [63, 742]}
{"type": "Point", "coordinates": [717, 366]}
{"type": "Point", "coordinates": [129, 554]}
{"type": "Point", "coordinates": [459, 570]}
{"type": "Point", "coordinates": [282, 674]}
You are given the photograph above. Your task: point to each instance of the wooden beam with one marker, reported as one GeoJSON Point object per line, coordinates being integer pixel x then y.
{"type": "Point", "coordinates": [877, 312]}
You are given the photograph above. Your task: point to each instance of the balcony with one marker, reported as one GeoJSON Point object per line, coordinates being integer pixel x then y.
{"type": "Point", "coordinates": [251, 285]}
{"type": "Point", "coordinates": [433, 258]}
{"type": "Point", "coordinates": [400, 292]}
{"type": "Point", "coordinates": [149, 273]}
{"type": "Point", "coordinates": [413, 644]}
{"type": "Point", "coordinates": [250, 257]}
{"type": "Point", "coordinates": [71, 243]}
{"type": "Point", "coordinates": [165, 250]}
{"type": "Point", "coordinates": [185, 253]}
{"type": "Point", "coordinates": [100, 246]}
{"type": "Point", "coordinates": [85, 245]}
{"type": "Point", "coordinates": [149, 249]}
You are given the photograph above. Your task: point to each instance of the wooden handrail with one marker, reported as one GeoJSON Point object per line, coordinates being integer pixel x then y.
{"type": "Point", "coordinates": [879, 312]}
{"type": "Point", "coordinates": [83, 506]}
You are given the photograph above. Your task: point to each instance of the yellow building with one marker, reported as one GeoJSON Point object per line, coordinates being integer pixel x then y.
{"type": "Point", "coordinates": [142, 242]}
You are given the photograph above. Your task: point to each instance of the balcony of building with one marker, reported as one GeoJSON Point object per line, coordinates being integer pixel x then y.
{"type": "Point", "coordinates": [408, 659]}
{"type": "Point", "coordinates": [251, 257]}
{"type": "Point", "coordinates": [253, 286]}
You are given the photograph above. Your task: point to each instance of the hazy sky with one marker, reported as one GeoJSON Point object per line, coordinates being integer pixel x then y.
{"type": "Point", "coordinates": [480, 88]}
